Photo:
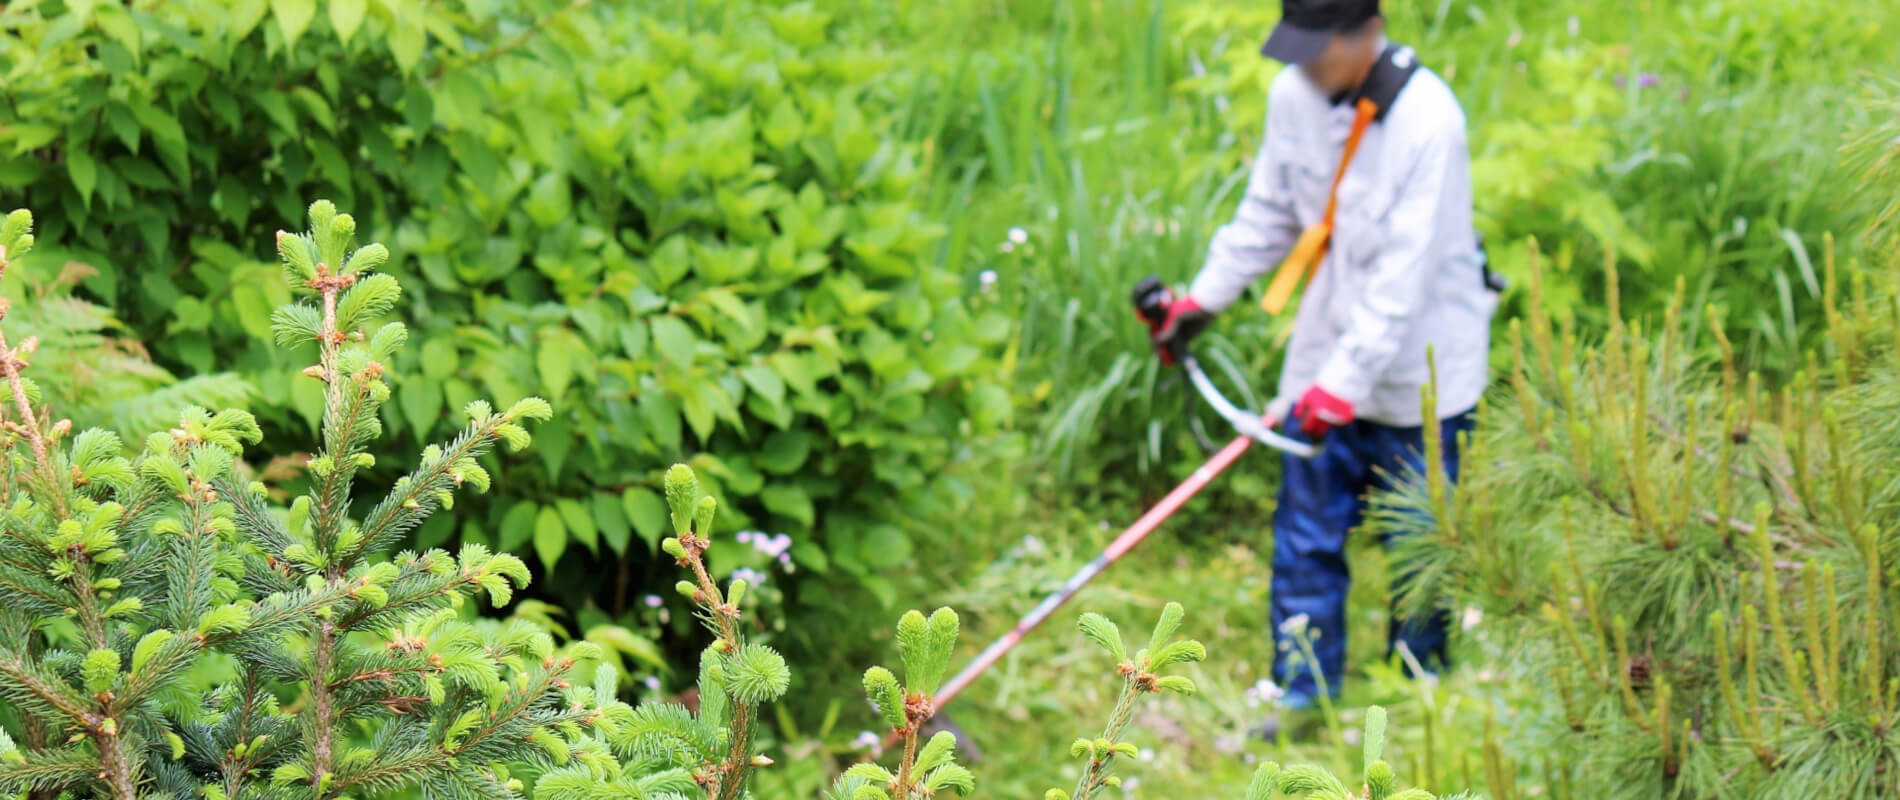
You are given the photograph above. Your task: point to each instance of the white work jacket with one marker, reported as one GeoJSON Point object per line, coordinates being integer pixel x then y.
{"type": "Point", "coordinates": [1404, 273]}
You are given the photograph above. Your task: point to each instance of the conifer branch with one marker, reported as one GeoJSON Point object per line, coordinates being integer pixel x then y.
{"type": "Point", "coordinates": [48, 690]}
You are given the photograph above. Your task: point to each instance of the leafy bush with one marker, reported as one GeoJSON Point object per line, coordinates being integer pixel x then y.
{"type": "Point", "coordinates": [119, 576]}
{"type": "Point", "coordinates": [696, 236]}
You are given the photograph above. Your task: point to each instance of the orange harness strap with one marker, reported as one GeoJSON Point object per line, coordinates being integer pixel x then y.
{"type": "Point", "coordinates": [1311, 248]}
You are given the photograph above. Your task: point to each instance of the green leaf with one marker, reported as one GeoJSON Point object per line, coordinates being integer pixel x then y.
{"type": "Point", "coordinates": [785, 451]}
{"type": "Point", "coordinates": [439, 358]}
{"type": "Point", "coordinates": [626, 642]}
{"type": "Point", "coordinates": [422, 406]}
{"type": "Point", "coordinates": [555, 361]}
{"type": "Point", "coordinates": [550, 537]}
{"type": "Point", "coordinates": [293, 17]}
{"type": "Point", "coordinates": [121, 27]}
{"type": "Point", "coordinates": [31, 136]}
{"type": "Point", "coordinates": [885, 547]}
{"type": "Point", "coordinates": [346, 16]}
{"type": "Point", "coordinates": [409, 35]}
{"type": "Point", "coordinates": [517, 527]}
{"type": "Point", "coordinates": [611, 518]}
{"type": "Point", "coordinates": [766, 382]}
{"type": "Point", "coordinates": [674, 339]}
{"type": "Point", "coordinates": [647, 511]}
{"type": "Point", "coordinates": [788, 501]}
{"type": "Point", "coordinates": [579, 522]}
{"type": "Point", "coordinates": [83, 170]}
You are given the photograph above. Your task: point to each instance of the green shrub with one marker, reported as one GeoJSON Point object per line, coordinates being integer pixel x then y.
{"type": "Point", "coordinates": [697, 238]}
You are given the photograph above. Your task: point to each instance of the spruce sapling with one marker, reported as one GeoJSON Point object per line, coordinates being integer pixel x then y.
{"type": "Point", "coordinates": [669, 751]}
{"type": "Point", "coordinates": [118, 576]}
{"type": "Point", "coordinates": [926, 768]}
{"type": "Point", "coordinates": [1140, 676]}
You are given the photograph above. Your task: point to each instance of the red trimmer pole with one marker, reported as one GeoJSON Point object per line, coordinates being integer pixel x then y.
{"type": "Point", "coordinates": [1116, 549]}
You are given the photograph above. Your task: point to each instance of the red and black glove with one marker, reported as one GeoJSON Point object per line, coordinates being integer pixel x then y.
{"type": "Point", "coordinates": [1172, 322]}
{"type": "Point", "coordinates": [1320, 411]}
{"type": "Point", "coordinates": [1186, 319]}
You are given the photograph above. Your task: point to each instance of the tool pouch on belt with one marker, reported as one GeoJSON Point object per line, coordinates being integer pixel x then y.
{"type": "Point", "coordinates": [1376, 95]}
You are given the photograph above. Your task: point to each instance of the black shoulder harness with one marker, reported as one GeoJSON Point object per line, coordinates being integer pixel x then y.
{"type": "Point", "coordinates": [1389, 75]}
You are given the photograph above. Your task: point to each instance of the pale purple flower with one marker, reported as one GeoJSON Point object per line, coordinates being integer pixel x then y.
{"type": "Point", "coordinates": [1129, 786]}
{"type": "Point", "coordinates": [1018, 236]}
{"type": "Point", "coordinates": [869, 741]}
{"type": "Point", "coordinates": [1643, 80]}
{"type": "Point", "coordinates": [652, 601]}
{"type": "Point", "coordinates": [747, 536]}
{"type": "Point", "coordinates": [652, 683]}
{"type": "Point", "coordinates": [987, 279]}
{"type": "Point", "coordinates": [1295, 625]}
{"type": "Point", "coordinates": [773, 546]}
{"type": "Point", "coordinates": [749, 575]}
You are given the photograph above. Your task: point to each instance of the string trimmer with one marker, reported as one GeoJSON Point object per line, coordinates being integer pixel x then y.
{"type": "Point", "coordinates": [1151, 300]}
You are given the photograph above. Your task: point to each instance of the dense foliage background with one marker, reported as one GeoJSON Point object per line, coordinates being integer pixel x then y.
{"type": "Point", "coordinates": [864, 266]}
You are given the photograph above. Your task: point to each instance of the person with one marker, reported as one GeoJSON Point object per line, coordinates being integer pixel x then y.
{"type": "Point", "coordinates": [1396, 285]}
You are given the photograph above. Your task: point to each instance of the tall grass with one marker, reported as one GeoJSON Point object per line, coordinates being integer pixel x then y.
{"type": "Point", "coordinates": [1116, 134]}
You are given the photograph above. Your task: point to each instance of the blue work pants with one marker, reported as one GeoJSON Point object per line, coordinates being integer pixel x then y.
{"type": "Point", "coordinates": [1321, 500]}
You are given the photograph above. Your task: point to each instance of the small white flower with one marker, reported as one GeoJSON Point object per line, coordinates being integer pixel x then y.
{"type": "Point", "coordinates": [1006, 247]}
{"type": "Point", "coordinates": [749, 575]}
{"type": "Point", "coordinates": [987, 280]}
{"type": "Point", "coordinates": [1295, 625]}
{"type": "Point", "coordinates": [652, 683]}
{"type": "Point", "coordinates": [1473, 616]}
{"type": "Point", "coordinates": [1018, 236]}
{"type": "Point", "coordinates": [1103, 524]}
{"type": "Point", "coordinates": [1352, 736]}
{"type": "Point", "coordinates": [1129, 786]}
{"type": "Point", "coordinates": [1516, 37]}
{"type": "Point", "coordinates": [1032, 545]}
{"type": "Point", "coordinates": [652, 601]}
{"type": "Point", "coordinates": [1573, 25]}
{"type": "Point", "coordinates": [1146, 754]}
{"type": "Point", "coordinates": [869, 741]}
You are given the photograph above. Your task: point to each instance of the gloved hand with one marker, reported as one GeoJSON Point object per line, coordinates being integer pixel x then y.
{"type": "Point", "coordinates": [1185, 320]}
{"type": "Point", "coordinates": [1320, 411]}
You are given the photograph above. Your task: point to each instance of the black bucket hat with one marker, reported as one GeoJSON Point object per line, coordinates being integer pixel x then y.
{"type": "Point", "coordinates": [1306, 25]}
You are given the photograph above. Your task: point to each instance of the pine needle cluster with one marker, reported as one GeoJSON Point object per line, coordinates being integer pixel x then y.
{"type": "Point", "coordinates": [123, 573]}
{"type": "Point", "coordinates": [1701, 567]}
